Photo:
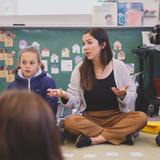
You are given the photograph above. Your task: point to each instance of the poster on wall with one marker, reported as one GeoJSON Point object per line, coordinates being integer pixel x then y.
{"type": "Point", "coordinates": [130, 14]}
{"type": "Point", "coordinates": [105, 15]}
{"type": "Point", "coordinates": [66, 65]}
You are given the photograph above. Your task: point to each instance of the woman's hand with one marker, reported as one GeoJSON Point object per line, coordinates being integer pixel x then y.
{"type": "Point", "coordinates": [120, 92]}
{"type": "Point", "coordinates": [58, 93]}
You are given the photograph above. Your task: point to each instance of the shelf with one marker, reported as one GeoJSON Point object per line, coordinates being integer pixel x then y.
{"type": "Point", "coordinates": [149, 16]}
{"type": "Point", "coordinates": [55, 21]}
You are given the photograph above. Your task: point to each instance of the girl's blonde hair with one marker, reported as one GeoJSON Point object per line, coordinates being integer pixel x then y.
{"type": "Point", "coordinates": [33, 48]}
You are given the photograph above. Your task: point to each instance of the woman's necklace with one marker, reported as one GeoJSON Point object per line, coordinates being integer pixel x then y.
{"type": "Point", "coordinates": [103, 73]}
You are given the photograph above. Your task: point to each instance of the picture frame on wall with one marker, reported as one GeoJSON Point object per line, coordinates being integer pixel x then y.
{"type": "Point", "coordinates": [130, 14]}
{"type": "Point", "coordinates": [105, 15]}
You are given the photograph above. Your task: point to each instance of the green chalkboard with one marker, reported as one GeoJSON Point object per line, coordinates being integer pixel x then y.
{"type": "Point", "coordinates": [63, 39]}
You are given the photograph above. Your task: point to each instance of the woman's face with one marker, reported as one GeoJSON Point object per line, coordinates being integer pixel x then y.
{"type": "Point", "coordinates": [29, 64]}
{"type": "Point", "coordinates": [92, 49]}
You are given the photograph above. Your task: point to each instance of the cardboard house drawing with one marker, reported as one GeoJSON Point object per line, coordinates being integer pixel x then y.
{"type": "Point", "coordinates": [76, 48]}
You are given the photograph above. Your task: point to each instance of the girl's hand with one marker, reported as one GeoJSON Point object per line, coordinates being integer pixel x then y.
{"type": "Point", "coordinates": [120, 92]}
{"type": "Point", "coordinates": [57, 93]}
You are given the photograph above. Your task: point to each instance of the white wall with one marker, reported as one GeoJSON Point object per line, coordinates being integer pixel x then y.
{"type": "Point", "coordinates": [56, 13]}
{"type": "Point", "coordinates": [61, 7]}
{"type": "Point", "coordinates": [55, 7]}
{"type": "Point", "coordinates": [8, 7]}
{"type": "Point", "coordinates": [52, 7]}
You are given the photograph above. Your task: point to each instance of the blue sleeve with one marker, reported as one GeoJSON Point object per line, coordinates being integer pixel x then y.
{"type": "Point", "coordinates": [11, 85]}
{"type": "Point", "coordinates": [52, 101]}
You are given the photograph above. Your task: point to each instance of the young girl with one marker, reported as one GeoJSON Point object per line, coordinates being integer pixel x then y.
{"type": "Point", "coordinates": [30, 75]}
{"type": "Point", "coordinates": [105, 93]}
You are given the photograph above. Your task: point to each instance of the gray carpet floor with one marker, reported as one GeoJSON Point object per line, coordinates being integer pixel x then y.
{"type": "Point", "coordinates": [144, 148]}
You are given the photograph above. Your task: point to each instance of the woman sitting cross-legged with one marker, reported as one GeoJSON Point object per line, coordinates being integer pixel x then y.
{"type": "Point", "coordinates": [103, 94]}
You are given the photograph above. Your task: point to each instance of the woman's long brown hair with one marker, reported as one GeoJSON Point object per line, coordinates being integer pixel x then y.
{"type": "Point", "coordinates": [86, 70]}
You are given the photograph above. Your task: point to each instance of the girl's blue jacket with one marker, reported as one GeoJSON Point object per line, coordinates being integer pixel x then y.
{"type": "Point", "coordinates": [39, 84]}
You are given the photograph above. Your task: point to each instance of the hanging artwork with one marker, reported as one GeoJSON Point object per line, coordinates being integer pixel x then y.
{"type": "Point", "coordinates": [105, 15]}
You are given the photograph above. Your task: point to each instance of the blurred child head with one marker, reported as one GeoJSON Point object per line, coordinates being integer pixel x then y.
{"type": "Point", "coordinates": [27, 128]}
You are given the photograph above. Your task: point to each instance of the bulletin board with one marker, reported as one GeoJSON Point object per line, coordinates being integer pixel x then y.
{"type": "Point", "coordinates": [61, 49]}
